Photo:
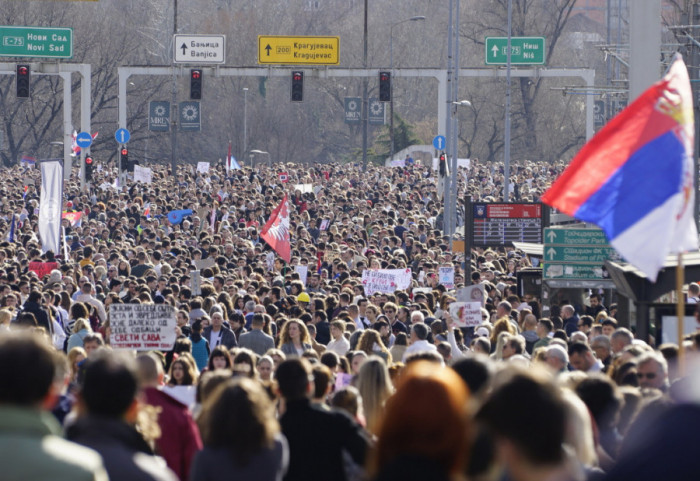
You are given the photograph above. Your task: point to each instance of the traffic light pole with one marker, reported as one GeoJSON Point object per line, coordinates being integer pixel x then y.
{"type": "Point", "coordinates": [173, 108]}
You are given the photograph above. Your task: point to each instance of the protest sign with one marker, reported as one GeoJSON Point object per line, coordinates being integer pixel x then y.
{"type": "Point", "coordinates": [475, 293]}
{"type": "Point", "coordinates": [143, 174]}
{"type": "Point", "coordinates": [304, 188]}
{"type": "Point", "coordinates": [201, 264]}
{"type": "Point", "coordinates": [447, 277]}
{"type": "Point", "coordinates": [422, 290]}
{"type": "Point", "coordinates": [324, 224]}
{"type": "Point", "coordinates": [303, 272]}
{"type": "Point", "coordinates": [385, 280]}
{"type": "Point", "coordinates": [42, 268]}
{"type": "Point", "coordinates": [142, 326]}
{"type": "Point", "coordinates": [203, 167]}
{"type": "Point", "coordinates": [466, 314]}
{"type": "Point", "coordinates": [398, 163]}
{"type": "Point", "coordinates": [196, 283]}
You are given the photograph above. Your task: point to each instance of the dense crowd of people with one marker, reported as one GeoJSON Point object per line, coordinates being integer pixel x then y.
{"type": "Point", "coordinates": [281, 373]}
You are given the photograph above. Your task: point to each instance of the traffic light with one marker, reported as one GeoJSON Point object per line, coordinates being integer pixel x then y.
{"type": "Point", "coordinates": [297, 86]}
{"type": "Point", "coordinates": [442, 165]}
{"type": "Point", "coordinates": [23, 74]}
{"type": "Point", "coordinates": [124, 160]}
{"type": "Point", "coordinates": [196, 84]}
{"type": "Point", "coordinates": [385, 86]}
{"type": "Point", "coordinates": [88, 168]}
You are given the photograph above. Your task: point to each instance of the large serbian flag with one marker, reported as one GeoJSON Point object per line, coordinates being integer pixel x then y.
{"type": "Point", "coordinates": [276, 231]}
{"type": "Point", "coordinates": [635, 179]}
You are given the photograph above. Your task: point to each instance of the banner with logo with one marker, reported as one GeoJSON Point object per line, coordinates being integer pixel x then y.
{"type": "Point", "coordinates": [50, 205]}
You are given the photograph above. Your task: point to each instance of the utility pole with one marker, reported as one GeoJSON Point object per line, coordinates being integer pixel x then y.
{"type": "Point", "coordinates": [174, 111]}
{"type": "Point", "coordinates": [506, 147]}
{"type": "Point", "coordinates": [365, 101]}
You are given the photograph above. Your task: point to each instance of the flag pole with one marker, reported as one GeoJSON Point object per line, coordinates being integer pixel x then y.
{"type": "Point", "coordinates": [680, 313]}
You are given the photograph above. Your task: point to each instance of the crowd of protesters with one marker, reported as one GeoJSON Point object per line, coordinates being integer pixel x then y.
{"type": "Point", "coordinates": [274, 378]}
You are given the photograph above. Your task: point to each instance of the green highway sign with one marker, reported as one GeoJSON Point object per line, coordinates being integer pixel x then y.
{"type": "Point", "coordinates": [576, 254]}
{"type": "Point", "coordinates": [557, 236]}
{"type": "Point", "coordinates": [50, 42]}
{"type": "Point", "coordinates": [587, 254]}
{"type": "Point", "coordinates": [524, 50]}
{"type": "Point", "coordinates": [574, 271]}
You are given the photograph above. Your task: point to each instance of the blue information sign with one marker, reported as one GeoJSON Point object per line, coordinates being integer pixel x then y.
{"type": "Point", "coordinates": [122, 136]}
{"type": "Point", "coordinates": [439, 142]}
{"type": "Point", "coordinates": [84, 139]}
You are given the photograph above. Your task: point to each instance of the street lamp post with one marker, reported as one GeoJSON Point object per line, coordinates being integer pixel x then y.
{"type": "Point", "coordinates": [391, 67]}
{"type": "Point", "coordinates": [245, 120]}
{"type": "Point", "coordinates": [262, 152]}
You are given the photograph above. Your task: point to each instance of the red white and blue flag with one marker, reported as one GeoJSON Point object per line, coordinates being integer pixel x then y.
{"type": "Point", "coordinates": [27, 161]}
{"type": "Point", "coordinates": [635, 179]}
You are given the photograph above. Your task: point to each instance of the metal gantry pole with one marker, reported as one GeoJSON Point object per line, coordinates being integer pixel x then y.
{"type": "Point", "coordinates": [174, 109]}
{"type": "Point", "coordinates": [446, 206]}
{"type": "Point", "coordinates": [365, 102]}
{"type": "Point", "coordinates": [245, 120]}
{"type": "Point", "coordinates": [454, 179]}
{"type": "Point", "coordinates": [506, 147]}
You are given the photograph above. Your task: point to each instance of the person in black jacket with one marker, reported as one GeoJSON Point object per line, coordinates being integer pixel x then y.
{"type": "Point", "coordinates": [316, 437]}
{"type": "Point", "coordinates": [33, 305]}
{"type": "Point", "coordinates": [108, 408]}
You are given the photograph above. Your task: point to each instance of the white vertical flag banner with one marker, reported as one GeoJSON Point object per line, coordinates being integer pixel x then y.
{"type": "Point", "coordinates": [50, 205]}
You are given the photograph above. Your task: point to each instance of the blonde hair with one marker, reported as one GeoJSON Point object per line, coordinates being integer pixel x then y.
{"type": "Point", "coordinates": [5, 316]}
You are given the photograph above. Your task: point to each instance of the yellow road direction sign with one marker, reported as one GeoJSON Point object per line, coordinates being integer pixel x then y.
{"type": "Point", "coordinates": [284, 50]}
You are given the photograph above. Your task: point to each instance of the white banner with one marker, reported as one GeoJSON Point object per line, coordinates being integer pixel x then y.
{"type": "Point", "coordinates": [196, 283]}
{"type": "Point", "coordinates": [475, 293]}
{"type": "Point", "coordinates": [142, 326]}
{"type": "Point", "coordinates": [304, 188]}
{"type": "Point", "coordinates": [447, 277]}
{"type": "Point", "coordinates": [466, 314]}
{"type": "Point", "coordinates": [303, 272]}
{"type": "Point", "coordinates": [143, 174]}
{"type": "Point", "coordinates": [385, 280]}
{"type": "Point", "coordinates": [50, 206]}
{"type": "Point", "coordinates": [203, 167]}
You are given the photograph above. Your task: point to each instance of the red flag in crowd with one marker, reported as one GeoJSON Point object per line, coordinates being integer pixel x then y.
{"type": "Point", "coordinates": [284, 177]}
{"type": "Point", "coordinates": [276, 231]}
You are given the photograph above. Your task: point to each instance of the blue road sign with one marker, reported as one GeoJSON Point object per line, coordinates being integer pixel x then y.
{"type": "Point", "coordinates": [84, 139]}
{"type": "Point", "coordinates": [122, 136]}
{"type": "Point", "coordinates": [439, 142]}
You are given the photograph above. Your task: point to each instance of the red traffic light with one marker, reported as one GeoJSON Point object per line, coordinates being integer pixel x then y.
{"type": "Point", "coordinates": [88, 160]}
{"type": "Point", "coordinates": [125, 152]}
{"type": "Point", "coordinates": [297, 76]}
{"type": "Point", "coordinates": [196, 74]}
{"type": "Point", "coordinates": [442, 157]}
{"type": "Point", "coordinates": [22, 70]}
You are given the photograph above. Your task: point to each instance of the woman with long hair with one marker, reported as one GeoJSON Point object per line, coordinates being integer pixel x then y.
{"type": "Point", "coordinates": [241, 436]}
{"type": "Point", "coordinates": [375, 387]}
{"type": "Point", "coordinates": [182, 373]}
{"type": "Point", "coordinates": [371, 343]}
{"type": "Point", "coordinates": [429, 400]}
{"type": "Point", "coordinates": [294, 338]}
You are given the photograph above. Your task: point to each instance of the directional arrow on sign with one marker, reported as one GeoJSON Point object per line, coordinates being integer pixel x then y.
{"type": "Point", "coordinates": [268, 48]}
{"type": "Point", "coordinates": [551, 253]}
{"type": "Point", "coordinates": [552, 236]}
{"type": "Point", "coordinates": [184, 49]}
{"type": "Point", "coordinates": [495, 50]}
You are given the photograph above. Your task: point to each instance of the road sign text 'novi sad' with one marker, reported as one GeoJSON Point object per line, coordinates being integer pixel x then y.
{"type": "Point", "coordinates": [50, 42]}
